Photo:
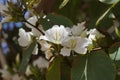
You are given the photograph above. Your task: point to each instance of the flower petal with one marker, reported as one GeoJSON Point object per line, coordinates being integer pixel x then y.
{"type": "Point", "coordinates": [65, 51]}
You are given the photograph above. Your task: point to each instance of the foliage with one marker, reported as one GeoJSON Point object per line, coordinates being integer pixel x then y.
{"type": "Point", "coordinates": [66, 40]}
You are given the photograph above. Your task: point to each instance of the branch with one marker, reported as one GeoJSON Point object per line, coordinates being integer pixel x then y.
{"type": "Point", "coordinates": [35, 27]}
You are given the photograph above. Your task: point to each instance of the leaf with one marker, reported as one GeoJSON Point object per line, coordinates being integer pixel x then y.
{"type": "Point", "coordinates": [109, 1]}
{"type": "Point", "coordinates": [66, 69]}
{"type": "Point", "coordinates": [117, 31]}
{"type": "Point", "coordinates": [114, 52]}
{"type": "Point", "coordinates": [94, 66]}
{"type": "Point", "coordinates": [105, 13]}
{"type": "Point", "coordinates": [55, 20]}
{"type": "Point", "coordinates": [54, 72]}
{"type": "Point", "coordinates": [117, 63]}
{"type": "Point", "coordinates": [72, 8]}
{"type": "Point", "coordinates": [78, 68]}
{"type": "Point", "coordinates": [26, 57]}
{"type": "Point", "coordinates": [63, 4]}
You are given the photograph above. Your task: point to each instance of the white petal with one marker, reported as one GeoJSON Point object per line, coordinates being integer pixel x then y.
{"type": "Point", "coordinates": [56, 34]}
{"type": "Point", "coordinates": [81, 45]}
{"type": "Point", "coordinates": [94, 33]}
{"type": "Point", "coordinates": [25, 38]}
{"type": "Point", "coordinates": [77, 30]}
{"type": "Point", "coordinates": [82, 42]}
{"type": "Point", "coordinates": [3, 8]}
{"type": "Point", "coordinates": [5, 74]}
{"type": "Point", "coordinates": [6, 19]}
{"type": "Point", "coordinates": [35, 51]}
{"type": "Point", "coordinates": [80, 50]}
{"type": "Point", "coordinates": [65, 51]}
{"type": "Point", "coordinates": [48, 54]}
{"type": "Point", "coordinates": [16, 77]}
{"type": "Point", "coordinates": [67, 42]}
{"type": "Point", "coordinates": [35, 32]}
{"type": "Point", "coordinates": [31, 20]}
{"type": "Point", "coordinates": [44, 45]}
{"type": "Point", "coordinates": [28, 71]}
{"type": "Point", "coordinates": [41, 63]}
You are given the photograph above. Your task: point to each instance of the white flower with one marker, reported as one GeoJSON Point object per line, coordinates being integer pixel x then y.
{"type": "Point", "coordinates": [79, 30]}
{"type": "Point", "coordinates": [3, 8]}
{"type": "Point", "coordinates": [6, 17]}
{"type": "Point", "coordinates": [94, 34]}
{"type": "Point", "coordinates": [56, 34]}
{"type": "Point", "coordinates": [46, 48]}
{"type": "Point", "coordinates": [28, 71]}
{"type": "Point", "coordinates": [44, 45]}
{"type": "Point", "coordinates": [33, 21]}
{"type": "Point", "coordinates": [76, 44]}
{"type": "Point", "coordinates": [65, 51]}
{"type": "Point", "coordinates": [5, 74]}
{"type": "Point", "coordinates": [48, 54]}
{"type": "Point", "coordinates": [17, 77]}
{"type": "Point", "coordinates": [41, 63]}
{"type": "Point", "coordinates": [24, 37]}
{"type": "Point", "coordinates": [35, 51]}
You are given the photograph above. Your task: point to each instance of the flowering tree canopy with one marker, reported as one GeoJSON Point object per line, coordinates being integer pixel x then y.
{"type": "Point", "coordinates": [59, 40]}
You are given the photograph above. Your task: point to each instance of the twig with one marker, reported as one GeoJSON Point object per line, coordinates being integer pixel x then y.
{"type": "Point", "coordinates": [35, 27]}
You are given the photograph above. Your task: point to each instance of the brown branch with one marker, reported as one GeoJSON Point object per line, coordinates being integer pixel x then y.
{"type": "Point", "coordinates": [35, 27]}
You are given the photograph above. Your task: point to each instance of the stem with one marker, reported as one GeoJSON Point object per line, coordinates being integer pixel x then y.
{"type": "Point", "coordinates": [35, 27]}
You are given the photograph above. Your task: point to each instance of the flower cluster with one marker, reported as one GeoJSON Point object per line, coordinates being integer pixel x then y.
{"type": "Point", "coordinates": [60, 40]}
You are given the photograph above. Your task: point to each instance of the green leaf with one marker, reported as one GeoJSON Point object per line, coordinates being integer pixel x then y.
{"type": "Point", "coordinates": [26, 57]}
{"type": "Point", "coordinates": [102, 16]}
{"type": "Point", "coordinates": [117, 63]}
{"type": "Point", "coordinates": [109, 1]}
{"type": "Point", "coordinates": [78, 68]}
{"type": "Point", "coordinates": [105, 13]}
{"type": "Point", "coordinates": [117, 31]}
{"type": "Point", "coordinates": [94, 66]}
{"type": "Point", "coordinates": [54, 70]}
{"type": "Point", "coordinates": [66, 69]}
{"type": "Point", "coordinates": [55, 20]}
{"type": "Point", "coordinates": [63, 4]}
{"type": "Point", "coordinates": [114, 51]}
{"type": "Point", "coordinates": [72, 8]}
{"type": "Point", "coordinates": [95, 10]}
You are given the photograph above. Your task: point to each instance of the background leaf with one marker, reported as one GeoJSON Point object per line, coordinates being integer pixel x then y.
{"type": "Point", "coordinates": [78, 68]}
{"type": "Point", "coordinates": [99, 67]}
{"type": "Point", "coordinates": [55, 20]}
{"type": "Point", "coordinates": [105, 13]}
{"type": "Point", "coordinates": [66, 68]}
{"type": "Point", "coordinates": [26, 57]}
{"type": "Point", "coordinates": [63, 3]}
{"type": "Point", "coordinates": [109, 1]}
{"type": "Point", "coordinates": [117, 31]}
{"type": "Point", "coordinates": [54, 72]}
{"type": "Point", "coordinates": [114, 51]}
